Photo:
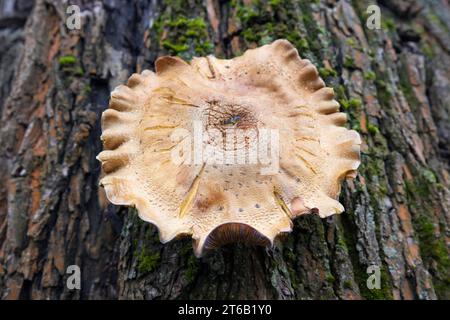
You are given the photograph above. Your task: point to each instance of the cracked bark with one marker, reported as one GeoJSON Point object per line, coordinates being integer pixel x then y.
{"type": "Point", "coordinates": [393, 83]}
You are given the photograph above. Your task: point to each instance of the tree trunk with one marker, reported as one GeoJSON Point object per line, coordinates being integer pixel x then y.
{"type": "Point", "coordinates": [55, 83]}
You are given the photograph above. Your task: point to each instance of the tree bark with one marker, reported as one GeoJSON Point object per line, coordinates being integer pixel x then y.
{"type": "Point", "coordinates": [55, 83]}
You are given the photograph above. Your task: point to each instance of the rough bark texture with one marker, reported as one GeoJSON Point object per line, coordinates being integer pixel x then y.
{"type": "Point", "coordinates": [55, 83]}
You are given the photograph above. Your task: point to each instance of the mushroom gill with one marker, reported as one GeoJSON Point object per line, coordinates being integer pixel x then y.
{"type": "Point", "coordinates": [227, 150]}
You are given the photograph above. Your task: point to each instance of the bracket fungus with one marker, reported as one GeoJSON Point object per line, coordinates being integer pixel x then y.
{"type": "Point", "coordinates": [168, 149]}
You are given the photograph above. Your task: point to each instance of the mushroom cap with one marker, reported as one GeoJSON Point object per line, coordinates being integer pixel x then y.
{"type": "Point", "coordinates": [168, 149]}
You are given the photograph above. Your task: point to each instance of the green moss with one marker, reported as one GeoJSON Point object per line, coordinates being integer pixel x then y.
{"type": "Point", "coordinates": [370, 75]}
{"type": "Point", "coordinates": [192, 268]}
{"type": "Point", "coordinates": [384, 92]}
{"type": "Point", "coordinates": [339, 91]}
{"type": "Point", "coordinates": [246, 15]}
{"type": "Point", "coordinates": [349, 63]}
{"type": "Point", "coordinates": [262, 22]}
{"type": "Point", "coordinates": [250, 36]}
{"type": "Point", "coordinates": [316, 38]}
{"type": "Point", "coordinates": [429, 176]}
{"type": "Point", "coordinates": [290, 255]}
{"type": "Point", "coordinates": [431, 238]}
{"type": "Point", "coordinates": [374, 167]}
{"type": "Point", "coordinates": [87, 89]}
{"type": "Point", "coordinates": [300, 43]}
{"type": "Point", "coordinates": [78, 71]}
{"type": "Point", "coordinates": [293, 277]}
{"type": "Point", "coordinates": [353, 103]}
{"type": "Point", "coordinates": [183, 36]}
{"type": "Point", "coordinates": [74, 71]}
{"type": "Point", "coordinates": [322, 30]}
{"type": "Point", "coordinates": [327, 72]}
{"type": "Point", "coordinates": [373, 129]}
{"type": "Point", "coordinates": [174, 48]}
{"type": "Point", "coordinates": [274, 3]}
{"type": "Point", "coordinates": [344, 104]}
{"type": "Point", "coordinates": [330, 278]}
{"type": "Point", "coordinates": [433, 248]}
{"type": "Point", "coordinates": [421, 186]}
{"type": "Point", "coordinates": [415, 190]}
{"type": "Point", "coordinates": [191, 262]}
{"type": "Point", "coordinates": [266, 40]}
{"type": "Point", "coordinates": [70, 67]}
{"type": "Point", "coordinates": [388, 24]}
{"type": "Point", "coordinates": [348, 284]}
{"type": "Point", "coordinates": [341, 244]}
{"type": "Point", "coordinates": [428, 51]}
{"type": "Point", "coordinates": [351, 42]}
{"type": "Point", "coordinates": [68, 60]}
{"type": "Point", "coordinates": [352, 106]}
{"type": "Point", "coordinates": [147, 262]}
{"type": "Point", "coordinates": [290, 258]}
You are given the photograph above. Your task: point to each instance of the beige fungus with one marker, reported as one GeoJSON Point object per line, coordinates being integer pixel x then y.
{"type": "Point", "coordinates": [268, 87]}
